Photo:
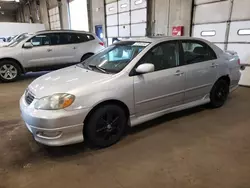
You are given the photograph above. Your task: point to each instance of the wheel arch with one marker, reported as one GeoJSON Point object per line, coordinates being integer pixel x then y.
{"type": "Point", "coordinates": [16, 61]}
{"type": "Point", "coordinates": [226, 78]}
{"type": "Point", "coordinates": [88, 53]}
{"type": "Point", "coordinates": [111, 101]}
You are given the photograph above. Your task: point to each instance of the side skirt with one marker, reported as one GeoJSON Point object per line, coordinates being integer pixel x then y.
{"type": "Point", "coordinates": [141, 119]}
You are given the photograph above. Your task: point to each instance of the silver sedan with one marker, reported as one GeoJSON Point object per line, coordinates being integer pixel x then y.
{"type": "Point", "coordinates": [126, 84]}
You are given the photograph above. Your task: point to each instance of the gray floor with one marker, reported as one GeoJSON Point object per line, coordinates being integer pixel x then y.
{"type": "Point", "coordinates": [198, 148]}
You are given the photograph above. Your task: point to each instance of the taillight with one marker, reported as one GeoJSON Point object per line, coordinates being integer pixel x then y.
{"type": "Point", "coordinates": [101, 43]}
{"type": "Point", "coordinates": [238, 61]}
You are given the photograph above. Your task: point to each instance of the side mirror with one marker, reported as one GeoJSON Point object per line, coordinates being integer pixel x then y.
{"type": "Point", "coordinates": [28, 45]}
{"type": "Point", "coordinates": [145, 68]}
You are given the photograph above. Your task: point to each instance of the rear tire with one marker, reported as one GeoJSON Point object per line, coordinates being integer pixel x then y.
{"type": "Point", "coordinates": [10, 71]}
{"type": "Point", "coordinates": [105, 126]}
{"type": "Point", "coordinates": [219, 93]}
{"type": "Point", "coordinates": [86, 56]}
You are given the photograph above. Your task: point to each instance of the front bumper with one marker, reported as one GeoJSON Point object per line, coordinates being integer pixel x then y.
{"type": "Point", "coordinates": [53, 128]}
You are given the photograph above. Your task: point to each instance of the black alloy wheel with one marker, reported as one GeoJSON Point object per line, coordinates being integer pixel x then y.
{"type": "Point", "coordinates": [219, 93]}
{"type": "Point", "coordinates": [106, 126]}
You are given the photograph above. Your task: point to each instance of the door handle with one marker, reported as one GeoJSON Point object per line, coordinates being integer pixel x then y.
{"type": "Point", "coordinates": [214, 65]}
{"type": "Point", "coordinates": [179, 73]}
{"type": "Point", "coordinates": [49, 50]}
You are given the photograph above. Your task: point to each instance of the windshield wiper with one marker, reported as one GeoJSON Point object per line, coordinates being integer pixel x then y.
{"type": "Point", "coordinates": [98, 68]}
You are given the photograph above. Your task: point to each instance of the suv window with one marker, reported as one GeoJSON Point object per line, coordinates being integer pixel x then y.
{"type": "Point", "coordinates": [40, 40]}
{"type": "Point", "coordinates": [163, 56]}
{"type": "Point", "coordinates": [197, 51]}
{"type": "Point", "coordinates": [80, 37]}
{"type": "Point", "coordinates": [69, 38]}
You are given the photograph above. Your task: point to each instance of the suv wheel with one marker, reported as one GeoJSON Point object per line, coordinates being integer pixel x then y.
{"type": "Point", "coordinates": [219, 93]}
{"type": "Point", "coordinates": [106, 126]}
{"type": "Point", "coordinates": [9, 71]}
{"type": "Point", "coordinates": [86, 56]}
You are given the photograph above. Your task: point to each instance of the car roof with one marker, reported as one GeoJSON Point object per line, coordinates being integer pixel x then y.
{"type": "Point", "coordinates": [63, 31]}
{"type": "Point", "coordinates": [161, 39]}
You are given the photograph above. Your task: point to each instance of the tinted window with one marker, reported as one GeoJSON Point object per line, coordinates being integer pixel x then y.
{"type": "Point", "coordinates": [69, 38]}
{"type": "Point", "coordinates": [196, 51]}
{"type": "Point", "coordinates": [163, 56]}
{"type": "Point", "coordinates": [40, 40]}
{"type": "Point", "coordinates": [61, 38]}
{"type": "Point", "coordinates": [80, 37]}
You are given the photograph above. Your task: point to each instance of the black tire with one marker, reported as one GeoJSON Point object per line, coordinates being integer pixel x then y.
{"type": "Point", "coordinates": [13, 71]}
{"type": "Point", "coordinates": [219, 93]}
{"type": "Point", "coordinates": [86, 56]}
{"type": "Point", "coordinates": [105, 126]}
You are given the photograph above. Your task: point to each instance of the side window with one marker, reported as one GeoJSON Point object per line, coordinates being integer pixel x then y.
{"type": "Point", "coordinates": [55, 39]}
{"type": "Point", "coordinates": [196, 51]}
{"type": "Point", "coordinates": [84, 37]}
{"type": "Point", "coordinates": [90, 37]}
{"type": "Point", "coordinates": [163, 56]}
{"type": "Point", "coordinates": [40, 40]}
{"type": "Point", "coordinates": [64, 38]}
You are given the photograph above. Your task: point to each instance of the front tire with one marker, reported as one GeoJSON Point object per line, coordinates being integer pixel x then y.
{"type": "Point", "coordinates": [106, 126]}
{"type": "Point", "coordinates": [10, 71]}
{"type": "Point", "coordinates": [219, 93]}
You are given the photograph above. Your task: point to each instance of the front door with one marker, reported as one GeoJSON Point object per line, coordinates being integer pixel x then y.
{"type": "Point", "coordinates": [201, 69]}
{"type": "Point", "coordinates": [163, 88]}
{"type": "Point", "coordinates": [41, 54]}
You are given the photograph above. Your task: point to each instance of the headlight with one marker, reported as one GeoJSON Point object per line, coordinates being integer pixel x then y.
{"type": "Point", "coordinates": [55, 102]}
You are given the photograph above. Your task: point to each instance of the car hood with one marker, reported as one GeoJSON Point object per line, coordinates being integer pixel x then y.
{"type": "Point", "coordinates": [71, 80]}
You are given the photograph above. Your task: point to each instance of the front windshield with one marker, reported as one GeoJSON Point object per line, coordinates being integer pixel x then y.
{"type": "Point", "coordinates": [19, 39]}
{"type": "Point", "coordinates": [115, 58]}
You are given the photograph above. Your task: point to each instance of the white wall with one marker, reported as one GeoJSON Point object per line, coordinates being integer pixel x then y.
{"type": "Point", "coordinates": [18, 28]}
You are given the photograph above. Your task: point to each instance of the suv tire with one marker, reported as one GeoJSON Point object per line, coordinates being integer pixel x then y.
{"type": "Point", "coordinates": [86, 56]}
{"type": "Point", "coordinates": [10, 71]}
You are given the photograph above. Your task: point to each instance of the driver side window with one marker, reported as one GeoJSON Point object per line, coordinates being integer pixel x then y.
{"type": "Point", "coordinates": [163, 56]}
{"type": "Point", "coordinates": [40, 40]}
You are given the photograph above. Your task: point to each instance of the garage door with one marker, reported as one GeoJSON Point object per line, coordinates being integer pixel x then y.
{"type": "Point", "coordinates": [226, 24]}
{"type": "Point", "coordinates": [126, 18]}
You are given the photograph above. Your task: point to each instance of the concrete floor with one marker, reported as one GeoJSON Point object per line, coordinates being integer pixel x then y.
{"type": "Point", "coordinates": [198, 148]}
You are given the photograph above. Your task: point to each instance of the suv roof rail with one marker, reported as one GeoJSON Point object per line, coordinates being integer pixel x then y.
{"type": "Point", "coordinates": [63, 30]}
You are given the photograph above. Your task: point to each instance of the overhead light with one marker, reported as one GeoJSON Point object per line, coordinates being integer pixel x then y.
{"type": "Point", "coordinates": [0, 7]}
{"type": "Point", "coordinates": [17, 1]}
{"type": "Point", "coordinates": [2, 13]}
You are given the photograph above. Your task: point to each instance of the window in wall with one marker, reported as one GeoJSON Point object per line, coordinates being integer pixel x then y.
{"type": "Point", "coordinates": [54, 18]}
{"type": "Point", "coordinates": [208, 33]}
{"type": "Point", "coordinates": [195, 52]}
{"type": "Point", "coordinates": [244, 32]}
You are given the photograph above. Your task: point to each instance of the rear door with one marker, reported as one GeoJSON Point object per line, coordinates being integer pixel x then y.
{"type": "Point", "coordinates": [201, 69]}
{"type": "Point", "coordinates": [64, 48]}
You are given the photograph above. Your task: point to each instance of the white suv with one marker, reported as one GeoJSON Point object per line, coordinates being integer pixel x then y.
{"type": "Point", "coordinates": [46, 50]}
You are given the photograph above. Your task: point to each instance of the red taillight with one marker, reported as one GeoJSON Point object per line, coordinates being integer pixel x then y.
{"type": "Point", "coordinates": [101, 43]}
{"type": "Point", "coordinates": [238, 61]}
